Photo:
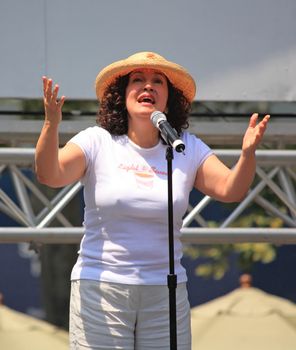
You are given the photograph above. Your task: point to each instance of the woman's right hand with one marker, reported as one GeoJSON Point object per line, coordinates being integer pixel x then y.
{"type": "Point", "coordinates": [52, 106]}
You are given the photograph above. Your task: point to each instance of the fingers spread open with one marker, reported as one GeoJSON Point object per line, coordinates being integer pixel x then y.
{"type": "Point", "coordinates": [55, 93]}
{"type": "Point", "coordinates": [253, 120]}
{"type": "Point", "coordinates": [48, 90]}
{"type": "Point", "coordinates": [60, 103]}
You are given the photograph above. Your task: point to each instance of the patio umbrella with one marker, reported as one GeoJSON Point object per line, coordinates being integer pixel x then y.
{"type": "Point", "coordinates": [244, 319]}
{"type": "Point", "coordinates": [19, 331]}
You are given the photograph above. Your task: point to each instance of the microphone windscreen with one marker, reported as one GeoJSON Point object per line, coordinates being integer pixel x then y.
{"type": "Point", "coordinates": [157, 117]}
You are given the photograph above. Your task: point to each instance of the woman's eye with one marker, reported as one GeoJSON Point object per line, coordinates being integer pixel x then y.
{"type": "Point", "coordinates": [135, 80]}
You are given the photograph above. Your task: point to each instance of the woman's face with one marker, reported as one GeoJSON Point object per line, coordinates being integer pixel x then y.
{"type": "Point", "coordinates": [146, 92]}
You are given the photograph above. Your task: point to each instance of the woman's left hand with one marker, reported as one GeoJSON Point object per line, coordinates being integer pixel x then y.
{"type": "Point", "coordinates": [254, 133]}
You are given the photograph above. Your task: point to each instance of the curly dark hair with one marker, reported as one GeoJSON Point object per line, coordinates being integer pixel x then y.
{"type": "Point", "coordinates": [113, 115]}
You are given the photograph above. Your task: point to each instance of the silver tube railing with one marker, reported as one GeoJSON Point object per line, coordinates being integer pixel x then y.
{"type": "Point", "coordinates": [13, 155]}
{"type": "Point", "coordinates": [280, 163]}
{"type": "Point", "coordinates": [73, 235]}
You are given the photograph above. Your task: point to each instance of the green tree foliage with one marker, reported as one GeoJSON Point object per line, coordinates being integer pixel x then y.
{"type": "Point", "coordinates": [215, 259]}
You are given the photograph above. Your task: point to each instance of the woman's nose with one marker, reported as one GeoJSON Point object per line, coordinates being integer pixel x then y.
{"type": "Point", "coordinates": [148, 86]}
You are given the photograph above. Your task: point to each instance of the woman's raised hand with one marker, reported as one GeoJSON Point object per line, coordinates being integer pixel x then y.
{"type": "Point", "coordinates": [52, 106]}
{"type": "Point", "coordinates": [254, 133]}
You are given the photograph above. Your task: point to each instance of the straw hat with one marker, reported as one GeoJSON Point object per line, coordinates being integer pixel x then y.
{"type": "Point", "coordinates": [176, 74]}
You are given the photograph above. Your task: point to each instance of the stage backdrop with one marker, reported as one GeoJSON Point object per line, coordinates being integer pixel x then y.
{"type": "Point", "coordinates": [235, 49]}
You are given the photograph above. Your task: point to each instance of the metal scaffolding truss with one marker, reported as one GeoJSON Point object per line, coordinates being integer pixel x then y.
{"type": "Point", "coordinates": [275, 173]}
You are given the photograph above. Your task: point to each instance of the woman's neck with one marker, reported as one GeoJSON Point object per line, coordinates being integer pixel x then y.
{"type": "Point", "coordinates": [143, 134]}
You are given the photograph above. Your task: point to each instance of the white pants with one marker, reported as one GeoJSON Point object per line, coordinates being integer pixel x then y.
{"type": "Point", "coordinates": [118, 316]}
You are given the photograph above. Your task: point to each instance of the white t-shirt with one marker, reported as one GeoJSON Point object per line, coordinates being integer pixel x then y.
{"type": "Point", "coordinates": [126, 207]}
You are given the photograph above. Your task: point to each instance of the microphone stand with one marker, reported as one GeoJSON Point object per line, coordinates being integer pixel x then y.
{"type": "Point", "coordinates": [171, 278]}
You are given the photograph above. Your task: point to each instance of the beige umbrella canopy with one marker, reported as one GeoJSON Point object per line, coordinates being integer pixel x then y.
{"type": "Point", "coordinates": [21, 332]}
{"type": "Point", "coordinates": [245, 319]}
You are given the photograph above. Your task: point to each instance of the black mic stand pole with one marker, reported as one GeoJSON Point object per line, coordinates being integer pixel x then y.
{"type": "Point", "coordinates": [171, 278]}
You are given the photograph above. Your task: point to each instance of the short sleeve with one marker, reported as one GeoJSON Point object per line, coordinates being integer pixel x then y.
{"type": "Point", "coordinates": [198, 150]}
{"type": "Point", "coordinates": [89, 141]}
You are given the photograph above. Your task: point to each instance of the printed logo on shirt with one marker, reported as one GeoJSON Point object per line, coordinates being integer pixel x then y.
{"type": "Point", "coordinates": [143, 173]}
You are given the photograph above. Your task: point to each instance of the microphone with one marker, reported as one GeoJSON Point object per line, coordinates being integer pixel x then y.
{"type": "Point", "coordinates": [168, 133]}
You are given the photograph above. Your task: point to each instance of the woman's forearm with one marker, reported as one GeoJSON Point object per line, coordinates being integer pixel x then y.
{"type": "Point", "coordinates": [46, 155]}
{"type": "Point", "coordinates": [241, 177]}
{"type": "Point", "coordinates": [47, 149]}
